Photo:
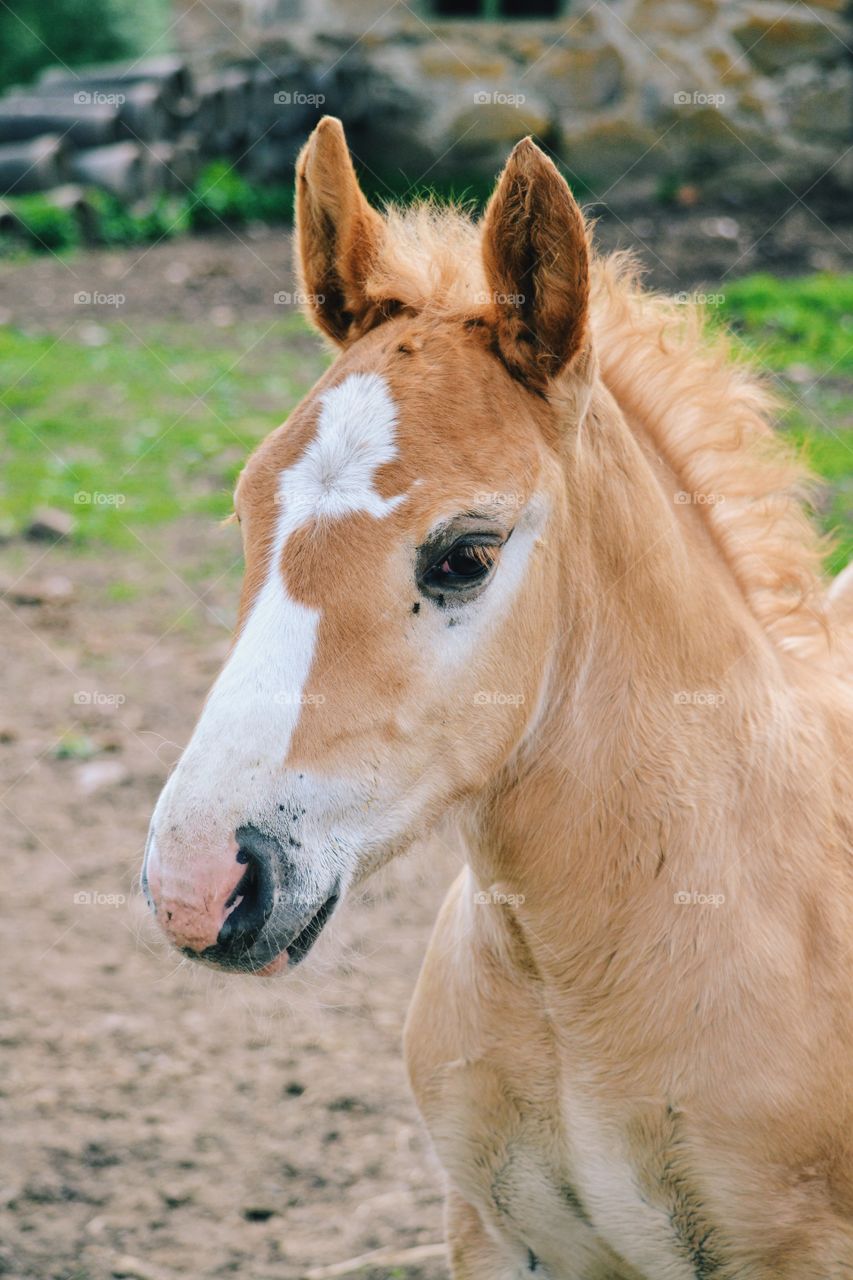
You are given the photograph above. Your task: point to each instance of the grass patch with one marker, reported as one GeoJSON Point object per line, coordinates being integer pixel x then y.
{"type": "Point", "coordinates": [802, 331]}
{"type": "Point", "coordinates": [220, 196]}
{"type": "Point", "coordinates": [138, 432]}
{"type": "Point", "coordinates": [808, 321]}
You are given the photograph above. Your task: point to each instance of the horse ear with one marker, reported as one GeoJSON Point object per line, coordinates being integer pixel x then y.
{"type": "Point", "coordinates": [536, 258]}
{"type": "Point", "coordinates": [337, 235]}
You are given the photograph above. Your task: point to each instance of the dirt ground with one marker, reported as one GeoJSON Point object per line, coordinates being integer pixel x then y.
{"type": "Point", "coordinates": [159, 1121]}
{"type": "Point", "coordinates": [232, 278]}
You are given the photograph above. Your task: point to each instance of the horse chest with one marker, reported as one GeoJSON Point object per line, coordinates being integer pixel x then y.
{"type": "Point", "coordinates": [568, 1183]}
{"type": "Point", "coordinates": [565, 1202]}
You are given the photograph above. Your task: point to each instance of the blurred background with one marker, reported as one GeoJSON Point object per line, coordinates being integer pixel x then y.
{"type": "Point", "coordinates": [159, 1122]}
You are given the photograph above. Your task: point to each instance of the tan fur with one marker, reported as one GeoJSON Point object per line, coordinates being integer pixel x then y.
{"type": "Point", "coordinates": [620, 1085]}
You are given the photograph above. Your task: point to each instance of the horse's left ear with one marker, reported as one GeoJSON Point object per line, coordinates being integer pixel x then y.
{"type": "Point", "coordinates": [338, 235]}
{"type": "Point", "coordinates": [536, 257]}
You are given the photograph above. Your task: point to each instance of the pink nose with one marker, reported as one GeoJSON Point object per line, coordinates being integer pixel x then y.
{"type": "Point", "coordinates": [192, 905]}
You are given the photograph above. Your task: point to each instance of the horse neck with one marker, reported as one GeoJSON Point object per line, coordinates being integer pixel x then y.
{"type": "Point", "coordinates": [661, 685]}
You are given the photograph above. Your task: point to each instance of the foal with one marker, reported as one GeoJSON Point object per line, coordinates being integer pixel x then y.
{"type": "Point", "coordinates": [529, 554]}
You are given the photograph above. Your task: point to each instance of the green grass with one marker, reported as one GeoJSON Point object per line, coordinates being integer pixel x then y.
{"type": "Point", "coordinates": [137, 432]}
{"type": "Point", "coordinates": [806, 321]}
{"type": "Point", "coordinates": [155, 424]}
{"type": "Point", "coordinates": [802, 331]}
{"type": "Point", "coordinates": [220, 196]}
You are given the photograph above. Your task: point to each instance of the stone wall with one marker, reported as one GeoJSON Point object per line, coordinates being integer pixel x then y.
{"type": "Point", "coordinates": [636, 97]}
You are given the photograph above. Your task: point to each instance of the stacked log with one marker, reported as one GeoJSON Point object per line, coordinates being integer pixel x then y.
{"type": "Point", "coordinates": [143, 114]}
{"type": "Point", "coordinates": [144, 128]}
{"type": "Point", "coordinates": [169, 72]}
{"type": "Point", "coordinates": [211, 115]}
{"type": "Point", "coordinates": [118, 169]}
{"type": "Point", "coordinates": [34, 165]}
{"type": "Point", "coordinates": [79, 124]}
{"type": "Point", "coordinates": [172, 166]}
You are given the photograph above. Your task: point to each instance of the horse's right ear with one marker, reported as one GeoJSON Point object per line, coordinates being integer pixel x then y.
{"type": "Point", "coordinates": [536, 259]}
{"type": "Point", "coordinates": [338, 236]}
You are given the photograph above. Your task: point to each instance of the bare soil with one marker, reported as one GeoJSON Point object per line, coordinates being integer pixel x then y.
{"type": "Point", "coordinates": [234, 276]}
{"type": "Point", "coordinates": [158, 1120]}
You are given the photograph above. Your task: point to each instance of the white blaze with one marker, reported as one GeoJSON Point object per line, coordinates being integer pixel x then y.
{"type": "Point", "coordinates": [226, 775]}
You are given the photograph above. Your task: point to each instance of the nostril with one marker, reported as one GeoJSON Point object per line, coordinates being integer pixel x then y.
{"type": "Point", "coordinates": [249, 905]}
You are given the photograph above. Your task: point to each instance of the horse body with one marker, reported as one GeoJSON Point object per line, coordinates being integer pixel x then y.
{"type": "Point", "coordinates": [631, 1040]}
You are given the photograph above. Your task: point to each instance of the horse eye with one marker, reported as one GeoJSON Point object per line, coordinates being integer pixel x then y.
{"type": "Point", "coordinates": [464, 565]}
{"type": "Point", "coordinates": [467, 562]}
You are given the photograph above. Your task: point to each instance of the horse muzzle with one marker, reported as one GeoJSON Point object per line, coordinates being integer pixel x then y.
{"type": "Point", "coordinates": [244, 908]}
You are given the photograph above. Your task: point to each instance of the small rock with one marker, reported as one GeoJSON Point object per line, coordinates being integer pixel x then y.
{"type": "Point", "coordinates": [93, 335]}
{"type": "Point", "coordinates": [721, 228]}
{"type": "Point", "coordinates": [177, 273]}
{"type": "Point", "coordinates": [127, 1268]}
{"type": "Point", "coordinates": [100, 773]}
{"type": "Point", "coordinates": [56, 589]}
{"type": "Point", "coordinates": [49, 525]}
{"type": "Point", "coordinates": [53, 590]}
{"type": "Point", "coordinates": [175, 1197]}
{"type": "Point", "coordinates": [223, 317]}
{"type": "Point", "coordinates": [258, 1213]}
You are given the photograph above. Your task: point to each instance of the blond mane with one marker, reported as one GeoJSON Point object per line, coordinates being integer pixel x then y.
{"type": "Point", "coordinates": [703, 406]}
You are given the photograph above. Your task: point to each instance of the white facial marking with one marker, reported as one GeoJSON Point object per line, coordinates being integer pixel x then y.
{"type": "Point", "coordinates": [335, 476]}
{"type": "Point", "coordinates": [245, 730]}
